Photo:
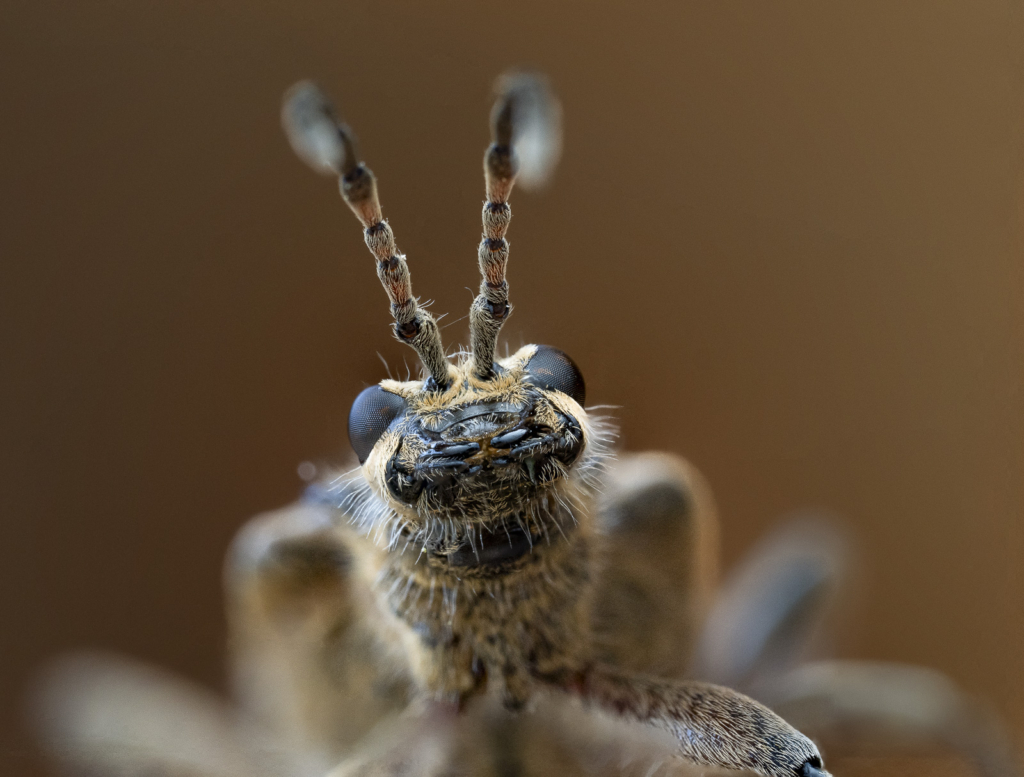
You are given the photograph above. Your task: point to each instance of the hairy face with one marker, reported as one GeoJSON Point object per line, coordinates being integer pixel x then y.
{"type": "Point", "coordinates": [480, 451]}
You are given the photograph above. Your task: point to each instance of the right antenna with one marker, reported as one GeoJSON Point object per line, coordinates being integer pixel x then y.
{"type": "Point", "coordinates": [526, 140]}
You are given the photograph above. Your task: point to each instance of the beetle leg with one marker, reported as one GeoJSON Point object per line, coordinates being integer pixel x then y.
{"type": "Point", "coordinates": [713, 725]}
{"type": "Point", "coordinates": [100, 714]}
{"type": "Point", "coordinates": [889, 709]}
{"type": "Point", "coordinates": [769, 611]}
{"type": "Point", "coordinates": [657, 568]}
{"type": "Point", "coordinates": [302, 661]}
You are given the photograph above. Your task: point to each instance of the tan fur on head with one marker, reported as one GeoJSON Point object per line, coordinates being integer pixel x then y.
{"type": "Point", "coordinates": [509, 502]}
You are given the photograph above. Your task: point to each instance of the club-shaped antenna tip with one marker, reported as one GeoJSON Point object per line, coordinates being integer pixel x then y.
{"type": "Point", "coordinates": [536, 118]}
{"type": "Point", "coordinates": [312, 128]}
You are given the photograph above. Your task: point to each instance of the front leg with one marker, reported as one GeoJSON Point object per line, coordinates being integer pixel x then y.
{"type": "Point", "coordinates": [304, 661]}
{"type": "Point", "coordinates": [877, 708]}
{"type": "Point", "coordinates": [715, 726]}
{"type": "Point", "coordinates": [656, 567]}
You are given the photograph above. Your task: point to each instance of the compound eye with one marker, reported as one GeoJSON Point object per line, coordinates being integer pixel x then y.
{"type": "Point", "coordinates": [551, 369]}
{"type": "Point", "coordinates": [370, 416]}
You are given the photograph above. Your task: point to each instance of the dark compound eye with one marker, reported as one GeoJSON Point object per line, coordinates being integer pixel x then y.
{"type": "Point", "coordinates": [370, 416]}
{"type": "Point", "coordinates": [551, 369]}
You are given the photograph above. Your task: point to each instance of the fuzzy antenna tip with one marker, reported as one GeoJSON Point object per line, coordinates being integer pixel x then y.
{"type": "Point", "coordinates": [528, 116]}
{"type": "Point", "coordinates": [314, 132]}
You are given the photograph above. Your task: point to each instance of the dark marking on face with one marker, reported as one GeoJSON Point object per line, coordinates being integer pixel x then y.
{"type": "Point", "coordinates": [474, 457]}
{"type": "Point", "coordinates": [494, 547]}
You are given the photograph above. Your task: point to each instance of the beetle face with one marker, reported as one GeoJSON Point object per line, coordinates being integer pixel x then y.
{"type": "Point", "coordinates": [480, 450]}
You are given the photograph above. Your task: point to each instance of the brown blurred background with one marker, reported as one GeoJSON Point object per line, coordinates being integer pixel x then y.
{"type": "Point", "coordinates": [786, 238]}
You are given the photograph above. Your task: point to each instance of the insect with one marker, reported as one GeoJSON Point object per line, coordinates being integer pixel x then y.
{"type": "Point", "coordinates": [490, 591]}
{"type": "Point", "coordinates": [473, 517]}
